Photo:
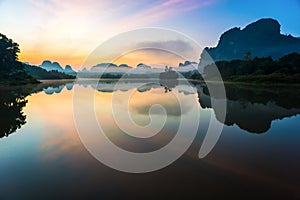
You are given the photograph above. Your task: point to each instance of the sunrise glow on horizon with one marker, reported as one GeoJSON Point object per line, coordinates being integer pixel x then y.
{"type": "Point", "coordinates": [68, 31]}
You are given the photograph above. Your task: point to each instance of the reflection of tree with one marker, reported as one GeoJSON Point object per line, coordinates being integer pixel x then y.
{"type": "Point", "coordinates": [168, 79]}
{"type": "Point", "coordinates": [168, 84]}
{"type": "Point", "coordinates": [254, 108]}
{"type": "Point", "coordinates": [12, 102]}
{"type": "Point", "coordinates": [12, 117]}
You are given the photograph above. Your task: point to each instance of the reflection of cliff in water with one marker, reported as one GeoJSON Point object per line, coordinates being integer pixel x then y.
{"type": "Point", "coordinates": [251, 108]}
{"type": "Point", "coordinates": [53, 87]}
{"type": "Point", "coordinates": [254, 108]}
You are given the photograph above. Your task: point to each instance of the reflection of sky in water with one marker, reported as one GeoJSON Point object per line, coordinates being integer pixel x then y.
{"type": "Point", "coordinates": [47, 150]}
{"type": "Point", "coordinates": [139, 105]}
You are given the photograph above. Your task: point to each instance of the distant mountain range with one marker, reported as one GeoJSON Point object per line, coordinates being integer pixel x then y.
{"type": "Point", "coordinates": [111, 70]}
{"type": "Point", "coordinates": [259, 39]}
{"type": "Point", "coordinates": [50, 70]}
{"type": "Point", "coordinates": [55, 66]}
{"type": "Point", "coordinates": [101, 66]}
{"type": "Point", "coordinates": [42, 74]}
{"type": "Point", "coordinates": [188, 63]}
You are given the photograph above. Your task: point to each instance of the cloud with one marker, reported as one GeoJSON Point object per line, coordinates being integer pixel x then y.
{"type": "Point", "coordinates": [163, 10]}
{"type": "Point", "coordinates": [179, 48]}
{"type": "Point", "coordinates": [124, 13]}
{"type": "Point", "coordinates": [178, 45]}
{"type": "Point", "coordinates": [168, 101]}
{"type": "Point", "coordinates": [155, 53]}
{"type": "Point", "coordinates": [73, 28]}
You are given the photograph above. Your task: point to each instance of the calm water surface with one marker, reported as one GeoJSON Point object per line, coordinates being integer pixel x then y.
{"type": "Point", "coordinates": [257, 155]}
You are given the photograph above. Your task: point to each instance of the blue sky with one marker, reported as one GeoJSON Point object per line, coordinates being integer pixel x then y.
{"type": "Point", "coordinates": [206, 24]}
{"type": "Point", "coordinates": [67, 31]}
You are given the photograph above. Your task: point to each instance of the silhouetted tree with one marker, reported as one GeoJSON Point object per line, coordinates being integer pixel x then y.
{"type": "Point", "coordinates": [9, 55]}
{"type": "Point", "coordinates": [247, 55]}
{"type": "Point", "coordinates": [11, 70]}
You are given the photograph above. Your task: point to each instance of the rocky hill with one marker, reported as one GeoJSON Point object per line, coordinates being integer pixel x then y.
{"type": "Point", "coordinates": [55, 66]}
{"type": "Point", "coordinates": [259, 39]}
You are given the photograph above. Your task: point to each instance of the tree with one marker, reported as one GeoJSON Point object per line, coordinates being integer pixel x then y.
{"type": "Point", "coordinates": [247, 55]}
{"type": "Point", "coordinates": [9, 55]}
{"type": "Point", "coordinates": [11, 70]}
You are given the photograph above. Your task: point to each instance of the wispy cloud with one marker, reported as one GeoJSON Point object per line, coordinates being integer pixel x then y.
{"type": "Point", "coordinates": [163, 10]}
{"type": "Point", "coordinates": [62, 29]}
{"type": "Point", "coordinates": [178, 48]}
{"type": "Point", "coordinates": [126, 12]}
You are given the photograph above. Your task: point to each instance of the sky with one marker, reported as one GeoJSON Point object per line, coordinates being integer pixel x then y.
{"type": "Point", "coordinates": [68, 31]}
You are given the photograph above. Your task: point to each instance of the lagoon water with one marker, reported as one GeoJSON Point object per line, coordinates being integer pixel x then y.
{"type": "Point", "coordinates": [256, 156]}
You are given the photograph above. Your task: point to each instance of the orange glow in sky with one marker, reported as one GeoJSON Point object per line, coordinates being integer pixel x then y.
{"type": "Point", "coordinates": [68, 31]}
{"type": "Point", "coordinates": [64, 59]}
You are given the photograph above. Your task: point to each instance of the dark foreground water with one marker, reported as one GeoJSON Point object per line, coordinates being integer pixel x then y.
{"type": "Point", "coordinates": [257, 155]}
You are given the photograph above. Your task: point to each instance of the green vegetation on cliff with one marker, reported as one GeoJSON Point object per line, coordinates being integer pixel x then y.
{"type": "Point", "coordinates": [284, 70]}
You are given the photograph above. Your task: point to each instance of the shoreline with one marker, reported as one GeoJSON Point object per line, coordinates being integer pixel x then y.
{"type": "Point", "coordinates": [229, 82]}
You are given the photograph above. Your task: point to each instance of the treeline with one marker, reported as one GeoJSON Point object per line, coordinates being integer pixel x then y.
{"type": "Point", "coordinates": [42, 74]}
{"type": "Point", "coordinates": [285, 69]}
